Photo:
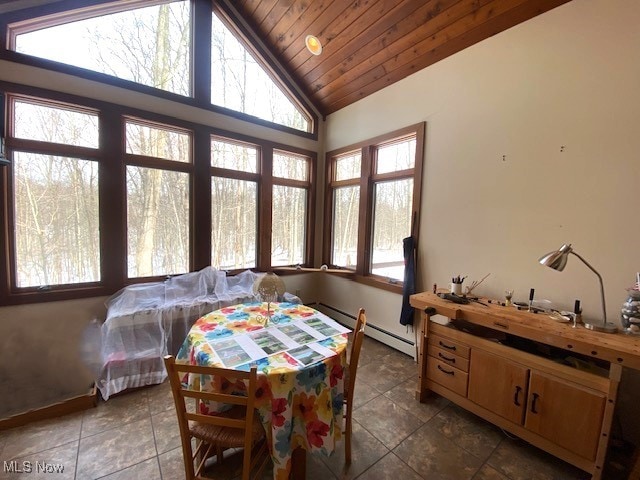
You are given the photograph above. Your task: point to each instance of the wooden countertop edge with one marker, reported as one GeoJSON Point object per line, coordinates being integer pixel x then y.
{"type": "Point", "coordinates": [617, 348]}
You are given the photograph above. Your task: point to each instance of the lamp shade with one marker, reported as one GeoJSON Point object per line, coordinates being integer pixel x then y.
{"type": "Point", "coordinates": [556, 259]}
{"type": "Point", "coordinates": [313, 44]}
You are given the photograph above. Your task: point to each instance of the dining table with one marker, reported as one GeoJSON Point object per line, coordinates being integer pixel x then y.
{"type": "Point", "coordinates": [300, 354]}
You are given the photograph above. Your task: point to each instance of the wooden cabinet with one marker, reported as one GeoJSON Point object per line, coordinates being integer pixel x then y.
{"type": "Point", "coordinates": [564, 410]}
{"type": "Point", "coordinates": [566, 413]}
{"type": "Point", "coordinates": [498, 385]}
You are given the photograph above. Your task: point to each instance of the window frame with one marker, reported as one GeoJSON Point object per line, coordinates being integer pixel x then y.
{"type": "Point", "coordinates": [245, 176]}
{"type": "Point", "coordinates": [165, 165]}
{"type": "Point", "coordinates": [308, 185]}
{"type": "Point", "coordinates": [367, 181]}
{"type": "Point", "coordinates": [112, 161]}
{"type": "Point", "coordinates": [29, 19]}
{"type": "Point", "coordinates": [13, 144]}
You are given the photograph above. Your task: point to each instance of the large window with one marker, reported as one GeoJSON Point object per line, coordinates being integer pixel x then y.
{"type": "Point", "coordinates": [372, 203]}
{"type": "Point", "coordinates": [291, 187]}
{"type": "Point", "coordinates": [55, 202]}
{"type": "Point", "coordinates": [234, 204]}
{"type": "Point", "coordinates": [149, 45]}
{"type": "Point", "coordinates": [99, 196]}
{"type": "Point", "coordinates": [167, 45]}
{"type": "Point", "coordinates": [158, 166]}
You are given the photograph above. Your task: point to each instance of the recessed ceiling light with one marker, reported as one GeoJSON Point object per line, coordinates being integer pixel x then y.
{"type": "Point", "coordinates": [313, 44]}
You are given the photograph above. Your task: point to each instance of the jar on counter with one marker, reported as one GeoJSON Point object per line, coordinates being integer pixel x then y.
{"type": "Point", "coordinates": [630, 312]}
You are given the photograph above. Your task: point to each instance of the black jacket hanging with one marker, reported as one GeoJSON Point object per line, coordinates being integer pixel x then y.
{"type": "Point", "coordinates": [409, 287]}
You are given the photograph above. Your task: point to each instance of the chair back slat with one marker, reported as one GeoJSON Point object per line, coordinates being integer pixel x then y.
{"type": "Point", "coordinates": [216, 397]}
{"type": "Point", "coordinates": [219, 420]}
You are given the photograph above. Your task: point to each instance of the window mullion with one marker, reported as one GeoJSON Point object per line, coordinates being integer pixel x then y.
{"type": "Point", "coordinates": [265, 208]}
{"type": "Point", "coordinates": [112, 192]}
{"type": "Point", "coordinates": [364, 232]}
{"type": "Point", "coordinates": [201, 12]}
{"type": "Point", "coordinates": [200, 220]}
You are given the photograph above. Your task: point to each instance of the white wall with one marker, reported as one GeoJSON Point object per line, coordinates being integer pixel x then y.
{"type": "Point", "coordinates": [558, 97]}
{"type": "Point", "coordinates": [43, 353]}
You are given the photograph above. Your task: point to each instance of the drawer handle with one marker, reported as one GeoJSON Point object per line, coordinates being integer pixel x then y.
{"type": "Point", "coordinates": [444, 357]}
{"type": "Point", "coordinates": [515, 397]}
{"type": "Point", "coordinates": [533, 403]}
{"type": "Point", "coordinates": [448, 347]}
{"type": "Point", "coordinates": [445, 371]}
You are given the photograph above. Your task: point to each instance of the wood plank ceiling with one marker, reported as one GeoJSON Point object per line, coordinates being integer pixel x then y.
{"type": "Point", "coordinates": [370, 44]}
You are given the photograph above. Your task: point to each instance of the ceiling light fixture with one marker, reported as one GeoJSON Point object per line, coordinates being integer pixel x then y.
{"type": "Point", "coordinates": [313, 44]}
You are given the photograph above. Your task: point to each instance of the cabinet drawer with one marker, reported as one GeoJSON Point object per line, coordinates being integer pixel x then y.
{"type": "Point", "coordinates": [449, 358]}
{"type": "Point", "coordinates": [447, 376]}
{"type": "Point", "coordinates": [449, 345]}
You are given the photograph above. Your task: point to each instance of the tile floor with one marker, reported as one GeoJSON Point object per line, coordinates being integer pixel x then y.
{"type": "Point", "coordinates": [135, 436]}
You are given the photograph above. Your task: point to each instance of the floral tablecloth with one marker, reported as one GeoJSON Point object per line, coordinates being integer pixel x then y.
{"type": "Point", "coordinates": [299, 405]}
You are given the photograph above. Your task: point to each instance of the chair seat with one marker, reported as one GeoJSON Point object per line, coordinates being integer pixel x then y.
{"type": "Point", "coordinates": [225, 436]}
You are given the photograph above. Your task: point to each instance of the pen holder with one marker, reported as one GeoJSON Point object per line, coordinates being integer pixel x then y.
{"type": "Point", "coordinates": [456, 288]}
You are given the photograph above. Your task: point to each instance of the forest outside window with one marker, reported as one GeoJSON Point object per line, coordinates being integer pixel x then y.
{"type": "Point", "coordinates": [373, 197]}
{"type": "Point", "coordinates": [157, 182]}
{"type": "Point", "coordinates": [240, 82]}
{"type": "Point", "coordinates": [56, 235]}
{"type": "Point", "coordinates": [149, 45]}
{"type": "Point", "coordinates": [139, 44]}
{"type": "Point", "coordinates": [234, 204]}
{"type": "Point", "coordinates": [290, 212]}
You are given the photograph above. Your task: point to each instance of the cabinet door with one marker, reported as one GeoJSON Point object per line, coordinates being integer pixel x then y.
{"type": "Point", "coordinates": [567, 414]}
{"type": "Point", "coordinates": [498, 385]}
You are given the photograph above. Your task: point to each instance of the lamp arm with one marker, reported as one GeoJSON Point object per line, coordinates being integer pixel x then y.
{"type": "Point", "coordinates": [604, 308]}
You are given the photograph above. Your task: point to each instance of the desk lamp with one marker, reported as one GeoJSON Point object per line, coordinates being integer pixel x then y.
{"type": "Point", "coordinates": [269, 286]}
{"type": "Point", "coordinates": [558, 260]}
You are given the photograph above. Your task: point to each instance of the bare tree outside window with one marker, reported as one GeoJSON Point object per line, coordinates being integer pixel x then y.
{"type": "Point", "coordinates": [392, 222]}
{"type": "Point", "coordinates": [157, 202]}
{"type": "Point", "coordinates": [56, 220]}
{"type": "Point", "coordinates": [158, 222]}
{"type": "Point", "coordinates": [346, 202]}
{"type": "Point", "coordinates": [289, 216]}
{"type": "Point", "coordinates": [149, 46]}
{"type": "Point", "coordinates": [56, 198]}
{"type": "Point", "coordinates": [233, 223]}
{"type": "Point", "coordinates": [239, 82]}
{"type": "Point", "coordinates": [346, 205]}
{"type": "Point", "coordinates": [234, 205]}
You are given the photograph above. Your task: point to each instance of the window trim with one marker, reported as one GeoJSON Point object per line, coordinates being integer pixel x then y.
{"type": "Point", "coordinates": [157, 163]}
{"type": "Point", "coordinates": [368, 179]}
{"type": "Point", "coordinates": [111, 156]}
{"type": "Point", "coordinates": [34, 18]}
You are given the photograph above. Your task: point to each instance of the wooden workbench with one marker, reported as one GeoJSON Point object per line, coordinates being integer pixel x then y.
{"type": "Point", "coordinates": [562, 402]}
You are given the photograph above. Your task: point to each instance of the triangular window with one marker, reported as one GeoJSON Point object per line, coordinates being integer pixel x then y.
{"type": "Point", "coordinates": [242, 83]}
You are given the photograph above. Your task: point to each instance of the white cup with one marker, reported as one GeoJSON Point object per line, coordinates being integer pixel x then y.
{"type": "Point", "coordinates": [456, 288]}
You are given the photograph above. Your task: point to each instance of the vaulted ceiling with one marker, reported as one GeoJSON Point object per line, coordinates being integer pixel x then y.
{"type": "Point", "coordinates": [367, 44]}
{"type": "Point", "coordinates": [370, 44]}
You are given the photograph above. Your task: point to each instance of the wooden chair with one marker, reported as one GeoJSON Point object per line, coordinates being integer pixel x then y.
{"type": "Point", "coordinates": [350, 380]}
{"type": "Point", "coordinates": [238, 427]}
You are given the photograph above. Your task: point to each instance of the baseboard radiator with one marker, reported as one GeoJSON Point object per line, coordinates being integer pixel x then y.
{"type": "Point", "coordinates": [374, 331]}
